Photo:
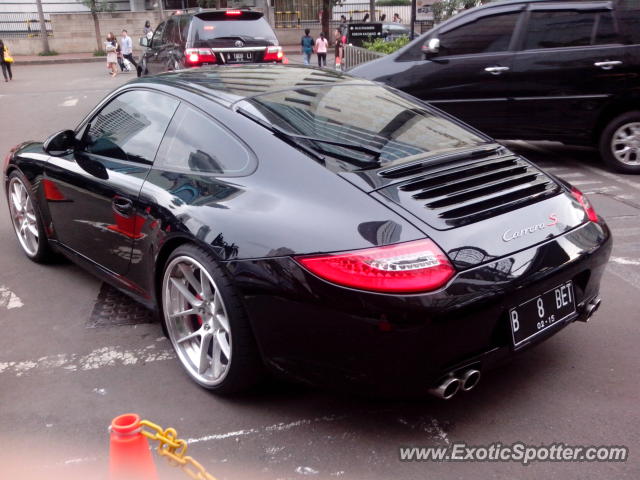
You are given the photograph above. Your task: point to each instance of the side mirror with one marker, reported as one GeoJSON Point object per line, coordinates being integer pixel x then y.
{"type": "Point", "coordinates": [60, 143]}
{"type": "Point", "coordinates": [431, 47]}
{"type": "Point", "coordinates": [144, 42]}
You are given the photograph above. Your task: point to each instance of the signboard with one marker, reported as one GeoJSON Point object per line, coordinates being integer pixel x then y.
{"type": "Point", "coordinates": [423, 10]}
{"type": "Point", "coordinates": [360, 32]}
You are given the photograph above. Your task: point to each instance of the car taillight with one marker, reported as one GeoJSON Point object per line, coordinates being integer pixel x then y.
{"type": "Point", "coordinates": [273, 54]}
{"type": "Point", "coordinates": [586, 204]}
{"type": "Point", "coordinates": [233, 12]}
{"type": "Point", "coordinates": [197, 56]}
{"type": "Point", "coordinates": [418, 266]}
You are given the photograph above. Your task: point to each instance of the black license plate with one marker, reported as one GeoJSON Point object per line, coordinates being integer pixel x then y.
{"type": "Point", "coordinates": [240, 57]}
{"type": "Point", "coordinates": [542, 312]}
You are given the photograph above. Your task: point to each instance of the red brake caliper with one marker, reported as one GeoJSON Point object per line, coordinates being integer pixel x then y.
{"type": "Point", "coordinates": [199, 317]}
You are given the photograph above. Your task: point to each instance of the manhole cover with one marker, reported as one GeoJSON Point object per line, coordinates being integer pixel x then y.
{"type": "Point", "coordinates": [114, 308]}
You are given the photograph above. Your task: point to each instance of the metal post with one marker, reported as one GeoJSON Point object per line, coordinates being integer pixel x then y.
{"type": "Point", "coordinates": [413, 18]}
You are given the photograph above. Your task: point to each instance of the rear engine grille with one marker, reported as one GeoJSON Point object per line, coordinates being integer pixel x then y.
{"type": "Point", "coordinates": [456, 192]}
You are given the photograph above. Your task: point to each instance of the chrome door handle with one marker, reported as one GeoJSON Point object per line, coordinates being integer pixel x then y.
{"type": "Point", "coordinates": [496, 70]}
{"type": "Point", "coordinates": [608, 65]}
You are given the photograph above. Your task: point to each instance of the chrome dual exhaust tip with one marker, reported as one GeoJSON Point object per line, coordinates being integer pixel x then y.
{"type": "Point", "coordinates": [591, 308]}
{"type": "Point", "coordinates": [452, 385]}
{"type": "Point", "coordinates": [447, 388]}
{"type": "Point", "coordinates": [470, 379]}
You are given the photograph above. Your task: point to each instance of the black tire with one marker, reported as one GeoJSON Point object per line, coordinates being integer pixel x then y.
{"type": "Point", "coordinates": [42, 253]}
{"type": "Point", "coordinates": [608, 148]}
{"type": "Point", "coordinates": [244, 368]}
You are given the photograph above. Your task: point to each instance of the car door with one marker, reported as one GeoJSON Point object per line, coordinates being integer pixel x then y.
{"type": "Point", "coordinates": [570, 64]}
{"type": "Point", "coordinates": [469, 75]}
{"type": "Point", "coordinates": [152, 56]}
{"type": "Point", "coordinates": [94, 210]}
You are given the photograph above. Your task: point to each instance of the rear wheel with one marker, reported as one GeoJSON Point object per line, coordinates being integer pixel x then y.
{"type": "Point", "coordinates": [26, 219]}
{"type": "Point", "coordinates": [620, 143]}
{"type": "Point", "coordinates": [206, 322]}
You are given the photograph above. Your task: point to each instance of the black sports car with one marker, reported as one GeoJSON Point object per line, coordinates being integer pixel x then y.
{"type": "Point", "coordinates": [326, 227]}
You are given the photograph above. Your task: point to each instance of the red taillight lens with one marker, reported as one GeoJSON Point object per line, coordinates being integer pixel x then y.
{"type": "Point", "coordinates": [197, 56]}
{"type": "Point", "coordinates": [234, 12]}
{"type": "Point", "coordinates": [586, 204]}
{"type": "Point", "coordinates": [273, 54]}
{"type": "Point", "coordinates": [410, 267]}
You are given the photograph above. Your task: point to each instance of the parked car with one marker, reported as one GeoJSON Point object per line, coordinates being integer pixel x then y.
{"type": "Point", "coordinates": [532, 69]}
{"type": "Point", "coordinates": [393, 31]}
{"type": "Point", "coordinates": [210, 37]}
{"type": "Point", "coordinates": [331, 229]}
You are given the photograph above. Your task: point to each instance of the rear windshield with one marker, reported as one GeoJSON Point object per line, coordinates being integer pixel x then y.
{"type": "Point", "coordinates": [254, 29]}
{"type": "Point", "coordinates": [367, 115]}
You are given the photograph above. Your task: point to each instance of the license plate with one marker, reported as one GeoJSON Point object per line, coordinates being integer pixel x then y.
{"type": "Point", "coordinates": [542, 312]}
{"type": "Point", "coordinates": [240, 57]}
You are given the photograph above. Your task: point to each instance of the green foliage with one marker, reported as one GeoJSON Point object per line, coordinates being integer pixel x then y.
{"type": "Point", "coordinates": [99, 53]}
{"type": "Point", "coordinates": [393, 3]}
{"type": "Point", "coordinates": [50, 53]}
{"type": "Point", "coordinates": [97, 6]}
{"type": "Point", "coordinates": [381, 46]}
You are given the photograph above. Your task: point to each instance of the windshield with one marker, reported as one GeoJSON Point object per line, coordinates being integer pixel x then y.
{"type": "Point", "coordinates": [367, 115]}
{"type": "Point", "coordinates": [257, 29]}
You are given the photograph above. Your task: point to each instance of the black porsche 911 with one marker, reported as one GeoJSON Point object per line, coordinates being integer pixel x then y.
{"type": "Point", "coordinates": [331, 229]}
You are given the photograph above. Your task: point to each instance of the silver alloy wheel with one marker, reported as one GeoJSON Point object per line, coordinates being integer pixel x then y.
{"type": "Point", "coordinates": [23, 216]}
{"type": "Point", "coordinates": [196, 320]}
{"type": "Point", "coordinates": [625, 144]}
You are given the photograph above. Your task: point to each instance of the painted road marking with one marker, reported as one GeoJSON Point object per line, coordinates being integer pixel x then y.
{"type": "Point", "coordinates": [625, 261]}
{"type": "Point", "coordinates": [72, 102]}
{"type": "Point", "coordinates": [8, 299]}
{"type": "Point", "coordinates": [98, 358]}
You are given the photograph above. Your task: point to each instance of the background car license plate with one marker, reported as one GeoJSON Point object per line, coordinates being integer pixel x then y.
{"type": "Point", "coordinates": [538, 314]}
{"type": "Point", "coordinates": [240, 57]}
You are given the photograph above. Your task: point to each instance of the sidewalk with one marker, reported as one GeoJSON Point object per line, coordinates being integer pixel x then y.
{"type": "Point", "coordinates": [88, 57]}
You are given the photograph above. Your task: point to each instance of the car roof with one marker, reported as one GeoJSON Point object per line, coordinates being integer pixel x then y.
{"type": "Point", "coordinates": [231, 83]}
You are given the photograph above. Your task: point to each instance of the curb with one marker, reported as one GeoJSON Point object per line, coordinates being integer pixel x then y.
{"type": "Point", "coordinates": [55, 61]}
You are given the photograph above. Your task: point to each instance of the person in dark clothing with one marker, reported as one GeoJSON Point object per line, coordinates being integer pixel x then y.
{"type": "Point", "coordinates": [6, 65]}
{"type": "Point", "coordinates": [306, 42]}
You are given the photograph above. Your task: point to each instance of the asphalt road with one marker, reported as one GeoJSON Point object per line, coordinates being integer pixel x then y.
{"type": "Point", "coordinates": [63, 376]}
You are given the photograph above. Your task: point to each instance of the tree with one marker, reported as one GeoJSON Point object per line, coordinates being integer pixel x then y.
{"type": "Point", "coordinates": [372, 10]}
{"type": "Point", "coordinates": [327, 15]}
{"type": "Point", "coordinates": [97, 6]}
{"type": "Point", "coordinates": [43, 29]}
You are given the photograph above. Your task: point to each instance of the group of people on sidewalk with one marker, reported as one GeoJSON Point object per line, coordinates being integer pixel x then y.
{"type": "Point", "coordinates": [120, 54]}
{"type": "Point", "coordinates": [5, 61]}
{"type": "Point", "coordinates": [320, 46]}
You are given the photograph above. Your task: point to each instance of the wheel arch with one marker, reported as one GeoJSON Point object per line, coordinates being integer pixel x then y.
{"type": "Point", "coordinates": [612, 111]}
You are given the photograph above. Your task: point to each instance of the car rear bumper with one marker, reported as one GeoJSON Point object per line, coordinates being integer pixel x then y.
{"type": "Point", "coordinates": [325, 334]}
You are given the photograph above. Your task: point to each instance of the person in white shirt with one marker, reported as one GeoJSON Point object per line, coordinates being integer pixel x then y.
{"type": "Point", "coordinates": [126, 45]}
{"type": "Point", "coordinates": [321, 49]}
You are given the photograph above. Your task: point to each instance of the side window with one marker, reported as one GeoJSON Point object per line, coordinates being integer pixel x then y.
{"type": "Point", "coordinates": [559, 28]}
{"type": "Point", "coordinates": [487, 34]}
{"type": "Point", "coordinates": [196, 143]}
{"type": "Point", "coordinates": [628, 14]}
{"type": "Point", "coordinates": [157, 35]}
{"type": "Point", "coordinates": [170, 32]}
{"type": "Point", "coordinates": [131, 126]}
{"type": "Point", "coordinates": [606, 29]}
{"type": "Point", "coordinates": [185, 21]}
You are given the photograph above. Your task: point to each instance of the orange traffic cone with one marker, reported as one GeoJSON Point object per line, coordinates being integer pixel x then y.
{"type": "Point", "coordinates": [130, 457]}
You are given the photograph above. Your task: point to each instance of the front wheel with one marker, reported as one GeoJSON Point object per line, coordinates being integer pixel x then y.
{"type": "Point", "coordinates": [620, 143]}
{"type": "Point", "coordinates": [206, 322]}
{"type": "Point", "coordinates": [26, 219]}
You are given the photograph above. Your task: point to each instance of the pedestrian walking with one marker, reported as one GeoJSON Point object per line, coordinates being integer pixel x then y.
{"type": "Point", "coordinates": [321, 49]}
{"type": "Point", "coordinates": [338, 48]}
{"type": "Point", "coordinates": [343, 27]}
{"type": "Point", "coordinates": [396, 18]}
{"type": "Point", "coordinates": [6, 60]}
{"type": "Point", "coordinates": [306, 42]}
{"type": "Point", "coordinates": [147, 30]}
{"type": "Point", "coordinates": [126, 44]}
{"type": "Point", "coordinates": [111, 47]}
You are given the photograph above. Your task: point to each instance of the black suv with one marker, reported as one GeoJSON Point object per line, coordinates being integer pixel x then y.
{"type": "Point", "coordinates": [210, 37]}
{"type": "Point", "coordinates": [533, 69]}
